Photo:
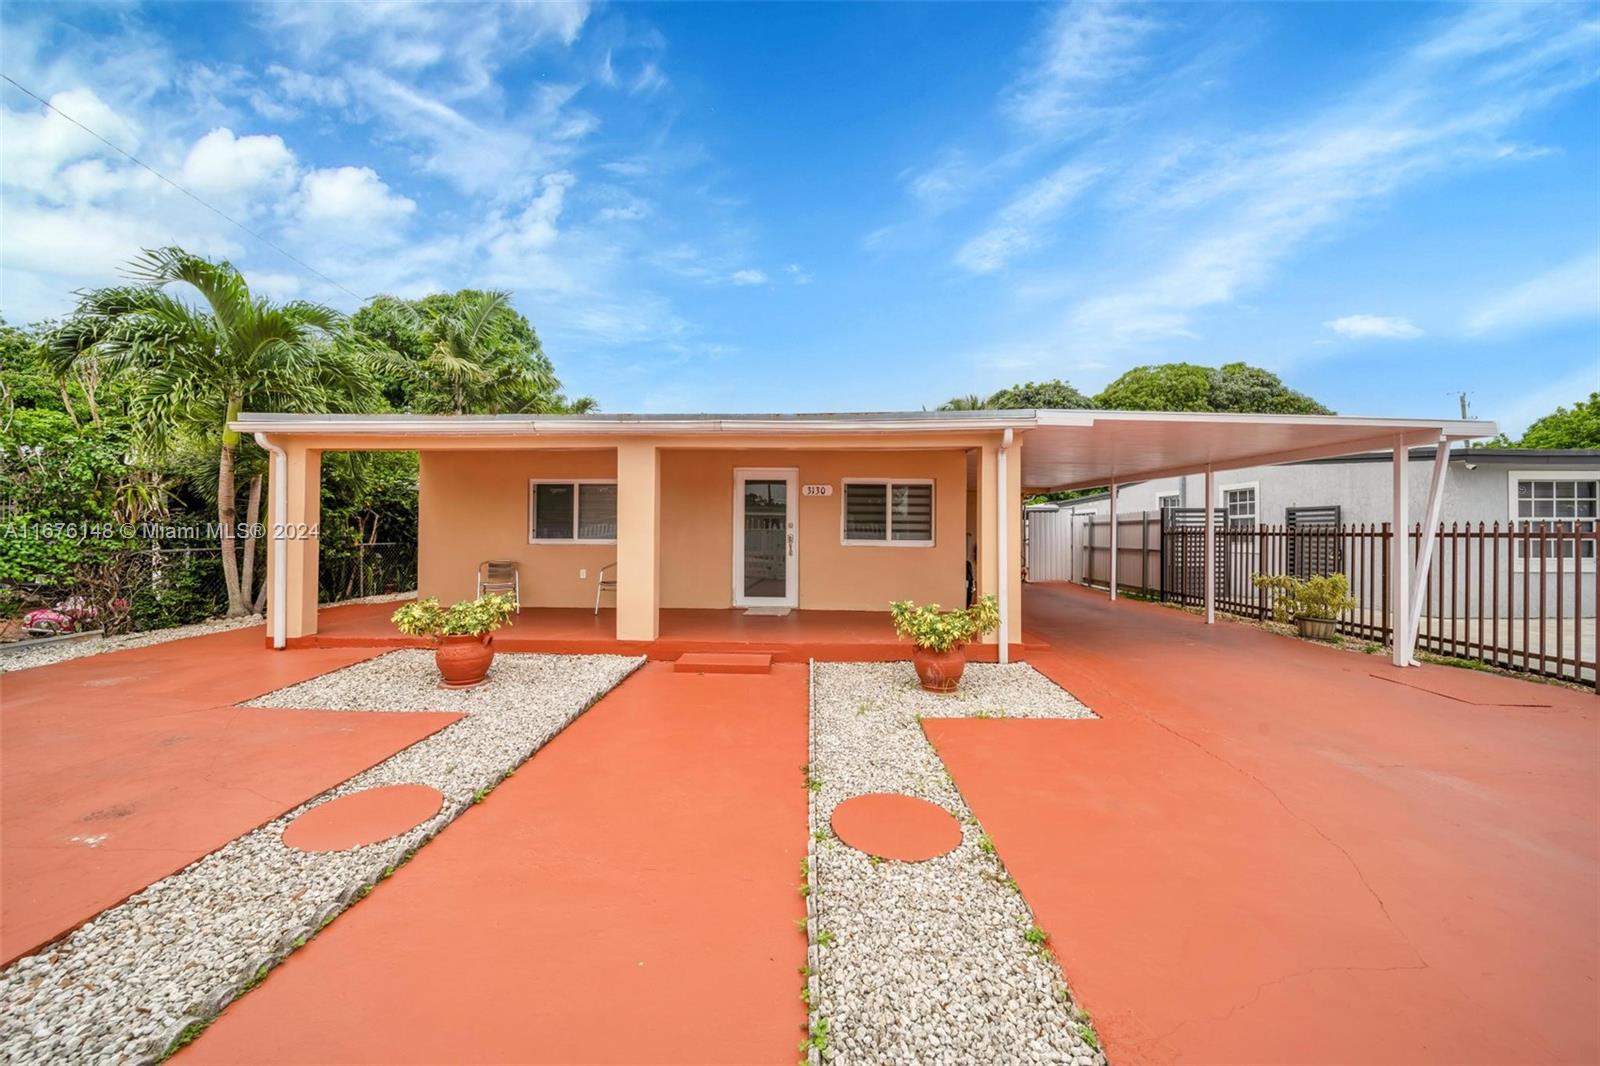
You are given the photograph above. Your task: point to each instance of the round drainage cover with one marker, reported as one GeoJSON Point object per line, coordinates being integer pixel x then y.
{"type": "Point", "coordinates": [896, 827]}
{"type": "Point", "coordinates": [363, 818]}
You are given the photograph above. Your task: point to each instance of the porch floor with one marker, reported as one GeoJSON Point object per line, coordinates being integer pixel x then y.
{"type": "Point", "coordinates": [858, 636]}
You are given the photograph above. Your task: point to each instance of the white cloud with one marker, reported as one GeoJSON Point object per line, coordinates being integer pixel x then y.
{"type": "Point", "coordinates": [1570, 291]}
{"type": "Point", "coordinates": [39, 142]}
{"type": "Point", "coordinates": [1017, 228]}
{"type": "Point", "coordinates": [1373, 327]}
{"type": "Point", "coordinates": [222, 163]}
{"type": "Point", "coordinates": [351, 197]}
{"type": "Point", "coordinates": [1087, 46]}
{"type": "Point", "coordinates": [748, 277]}
{"type": "Point", "coordinates": [797, 274]}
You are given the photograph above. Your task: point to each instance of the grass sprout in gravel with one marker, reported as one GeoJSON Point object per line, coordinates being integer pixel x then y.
{"type": "Point", "coordinates": [123, 986]}
{"type": "Point", "coordinates": [927, 962]}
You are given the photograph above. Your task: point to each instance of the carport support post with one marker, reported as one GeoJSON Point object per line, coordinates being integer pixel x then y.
{"type": "Point", "coordinates": [1113, 540]}
{"type": "Point", "coordinates": [1430, 534]}
{"type": "Point", "coordinates": [638, 541]}
{"type": "Point", "coordinates": [1400, 559]}
{"type": "Point", "coordinates": [1211, 547]}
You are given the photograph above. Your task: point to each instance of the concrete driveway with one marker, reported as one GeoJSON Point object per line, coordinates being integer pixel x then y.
{"type": "Point", "coordinates": [1270, 851]}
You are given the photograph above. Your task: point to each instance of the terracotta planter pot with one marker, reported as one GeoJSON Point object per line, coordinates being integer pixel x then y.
{"type": "Point", "coordinates": [939, 671]}
{"type": "Point", "coordinates": [1316, 628]}
{"type": "Point", "coordinates": [464, 660]}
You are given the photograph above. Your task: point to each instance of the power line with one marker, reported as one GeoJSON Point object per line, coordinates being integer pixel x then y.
{"type": "Point", "coordinates": [191, 195]}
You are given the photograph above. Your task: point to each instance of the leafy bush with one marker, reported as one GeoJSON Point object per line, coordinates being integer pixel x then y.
{"type": "Point", "coordinates": [425, 618]}
{"type": "Point", "coordinates": [1325, 596]}
{"type": "Point", "coordinates": [938, 630]}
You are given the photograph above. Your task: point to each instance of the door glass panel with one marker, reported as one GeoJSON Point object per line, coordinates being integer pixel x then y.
{"type": "Point", "coordinates": [766, 558]}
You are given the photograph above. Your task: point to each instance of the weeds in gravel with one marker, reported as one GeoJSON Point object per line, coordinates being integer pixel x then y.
{"type": "Point", "coordinates": [189, 1035]}
{"type": "Point", "coordinates": [813, 782]}
{"type": "Point", "coordinates": [255, 979]}
{"type": "Point", "coordinates": [875, 860]}
{"type": "Point", "coordinates": [986, 845]}
{"type": "Point", "coordinates": [817, 1038]}
{"type": "Point", "coordinates": [1087, 1034]}
{"type": "Point", "coordinates": [820, 835]}
{"type": "Point", "coordinates": [802, 924]}
{"type": "Point", "coordinates": [1036, 936]}
{"type": "Point", "coordinates": [825, 937]}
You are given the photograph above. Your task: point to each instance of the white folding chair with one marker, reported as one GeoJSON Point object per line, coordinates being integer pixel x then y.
{"type": "Point", "coordinates": [605, 584]}
{"type": "Point", "coordinates": [500, 575]}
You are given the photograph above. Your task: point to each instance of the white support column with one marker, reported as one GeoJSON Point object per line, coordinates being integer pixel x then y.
{"type": "Point", "coordinates": [1113, 540]}
{"type": "Point", "coordinates": [1002, 511]}
{"type": "Point", "coordinates": [1430, 534]}
{"type": "Point", "coordinates": [1211, 546]}
{"type": "Point", "coordinates": [1400, 558]}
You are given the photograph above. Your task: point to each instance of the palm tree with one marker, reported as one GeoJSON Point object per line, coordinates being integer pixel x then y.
{"type": "Point", "coordinates": [970, 402]}
{"type": "Point", "coordinates": [194, 367]}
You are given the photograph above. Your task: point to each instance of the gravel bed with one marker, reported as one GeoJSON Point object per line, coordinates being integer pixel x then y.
{"type": "Point", "coordinates": [123, 986]}
{"type": "Point", "coordinates": [20, 656]}
{"type": "Point", "coordinates": [926, 962]}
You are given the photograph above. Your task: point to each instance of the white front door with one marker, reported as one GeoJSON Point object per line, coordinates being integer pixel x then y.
{"type": "Point", "coordinates": [766, 537]}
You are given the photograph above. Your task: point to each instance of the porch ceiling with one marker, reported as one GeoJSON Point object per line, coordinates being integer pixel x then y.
{"type": "Point", "coordinates": [1063, 449]}
{"type": "Point", "coordinates": [1076, 452]}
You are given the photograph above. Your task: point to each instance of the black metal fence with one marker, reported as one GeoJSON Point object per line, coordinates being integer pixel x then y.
{"type": "Point", "coordinates": [1521, 597]}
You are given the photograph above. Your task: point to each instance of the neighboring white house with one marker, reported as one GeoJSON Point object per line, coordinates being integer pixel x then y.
{"type": "Point", "coordinates": [1487, 485]}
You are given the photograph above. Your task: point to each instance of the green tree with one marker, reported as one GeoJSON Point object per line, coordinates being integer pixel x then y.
{"type": "Point", "coordinates": [1234, 387]}
{"type": "Point", "coordinates": [467, 352]}
{"type": "Point", "coordinates": [1574, 427]}
{"type": "Point", "coordinates": [1041, 395]}
{"type": "Point", "coordinates": [193, 367]}
{"type": "Point", "coordinates": [1164, 387]}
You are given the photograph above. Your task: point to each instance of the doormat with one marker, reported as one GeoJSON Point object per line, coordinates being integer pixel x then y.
{"type": "Point", "coordinates": [773, 612]}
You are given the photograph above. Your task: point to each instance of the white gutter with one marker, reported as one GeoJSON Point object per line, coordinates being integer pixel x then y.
{"type": "Point", "coordinates": [280, 547]}
{"type": "Point", "coordinates": [1000, 536]}
{"type": "Point", "coordinates": [574, 425]}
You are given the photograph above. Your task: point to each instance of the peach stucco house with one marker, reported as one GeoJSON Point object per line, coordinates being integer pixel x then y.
{"type": "Point", "coordinates": [807, 513]}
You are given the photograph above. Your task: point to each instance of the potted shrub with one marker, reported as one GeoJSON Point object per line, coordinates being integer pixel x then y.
{"type": "Point", "coordinates": [940, 638]}
{"type": "Point", "coordinates": [1313, 604]}
{"type": "Point", "coordinates": [463, 648]}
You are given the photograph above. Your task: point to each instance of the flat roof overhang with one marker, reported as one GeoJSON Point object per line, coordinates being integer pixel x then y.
{"type": "Point", "coordinates": [1062, 449]}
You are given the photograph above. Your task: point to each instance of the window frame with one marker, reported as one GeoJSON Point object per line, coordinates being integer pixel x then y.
{"type": "Point", "coordinates": [1528, 561]}
{"type": "Point", "coordinates": [888, 512]}
{"type": "Point", "coordinates": [577, 506]}
{"type": "Point", "coordinates": [1222, 502]}
{"type": "Point", "coordinates": [1175, 496]}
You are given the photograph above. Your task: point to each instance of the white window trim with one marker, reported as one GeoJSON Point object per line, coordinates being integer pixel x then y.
{"type": "Point", "coordinates": [1520, 562]}
{"type": "Point", "coordinates": [888, 496]}
{"type": "Point", "coordinates": [534, 483]}
{"type": "Point", "coordinates": [1175, 497]}
{"type": "Point", "coordinates": [1222, 499]}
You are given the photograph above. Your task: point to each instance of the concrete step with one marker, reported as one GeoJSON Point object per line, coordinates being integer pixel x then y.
{"type": "Point", "coordinates": [704, 662]}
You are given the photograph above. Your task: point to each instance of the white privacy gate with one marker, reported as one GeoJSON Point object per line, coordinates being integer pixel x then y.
{"type": "Point", "coordinates": [1052, 544]}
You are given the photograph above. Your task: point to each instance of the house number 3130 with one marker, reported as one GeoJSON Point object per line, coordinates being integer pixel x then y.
{"type": "Point", "coordinates": [816, 490]}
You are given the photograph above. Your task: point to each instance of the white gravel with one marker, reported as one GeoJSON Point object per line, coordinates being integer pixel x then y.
{"type": "Point", "coordinates": [25, 655]}
{"type": "Point", "coordinates": [928, 961]}
{"type": "Point", "coordinates": [122, 987]}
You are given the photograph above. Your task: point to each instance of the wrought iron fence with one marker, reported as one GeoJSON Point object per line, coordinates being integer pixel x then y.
{"type": "Point", "coordinates": [1522, 597]}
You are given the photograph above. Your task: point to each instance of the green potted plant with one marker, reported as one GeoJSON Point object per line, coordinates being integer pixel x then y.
{"type": "Point", "coordinates": [1313, 604]}
{"type": "Point", "coordinates": [463, 648]}
{"type": "Point", "coordinates": [940, 638]}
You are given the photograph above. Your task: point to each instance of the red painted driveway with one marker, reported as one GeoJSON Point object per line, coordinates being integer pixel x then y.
{"type": "Point", "coordinates": [122, 768]}
{"type": "Point", "coordinates": [628, 896]}
{"type": "Point", "coordinates": [1270, 852]}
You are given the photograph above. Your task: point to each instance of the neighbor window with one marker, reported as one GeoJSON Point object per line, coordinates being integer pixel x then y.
{"type": "Point", "coordinates": [1547, 504]}
{"type": "Point", "coordinates": [1240, 504]}
{"type": "Point", "coordinates": [574, 511]}
{"type": "Point", "coordinates": [888, 512]}
{"type": "Point", "coordinates": [1166, 501]}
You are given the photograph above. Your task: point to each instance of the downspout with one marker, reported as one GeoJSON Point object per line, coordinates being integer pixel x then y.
{"type": "Point", "coordinates": [276, 606]}
{"type": "Point", "coordinates": [1000, 547]}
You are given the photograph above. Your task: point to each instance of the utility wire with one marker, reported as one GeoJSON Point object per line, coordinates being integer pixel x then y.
{"type": "Point", "coordinates": [191, 195]}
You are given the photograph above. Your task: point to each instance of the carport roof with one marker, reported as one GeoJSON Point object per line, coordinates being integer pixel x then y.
{"type": "Point", "coordinates": [1064, 449]}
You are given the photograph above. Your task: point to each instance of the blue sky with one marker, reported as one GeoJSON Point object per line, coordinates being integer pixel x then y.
{"type": "Point", "coordinates": [803, 207]}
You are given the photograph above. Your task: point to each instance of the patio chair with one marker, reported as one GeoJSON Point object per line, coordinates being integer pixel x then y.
{"type": "Point", "coordinates": [500, 575]}
{"type": "Point", "coordinates": [605, 584]}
